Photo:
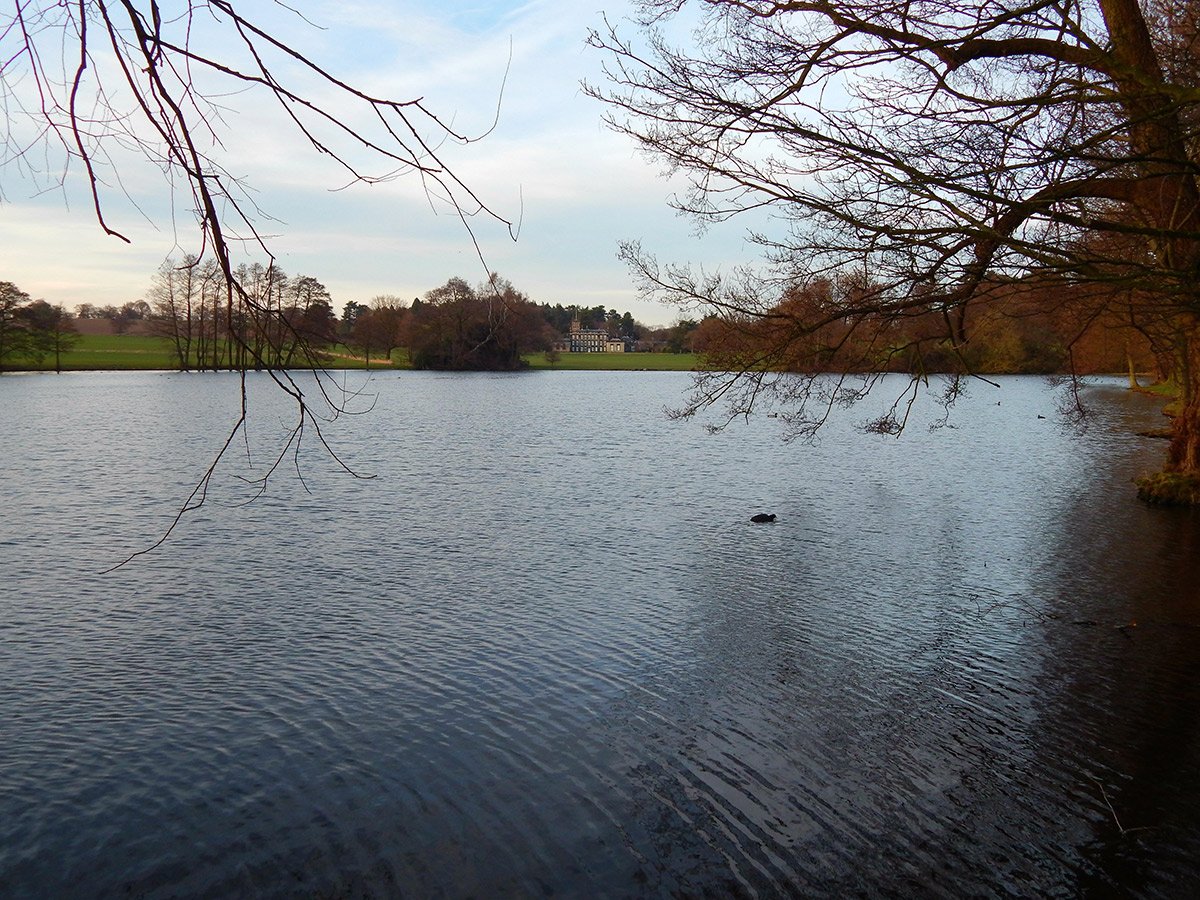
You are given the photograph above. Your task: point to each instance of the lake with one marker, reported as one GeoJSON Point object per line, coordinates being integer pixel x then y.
{"type": "Point", "coordinates": [542, 651]}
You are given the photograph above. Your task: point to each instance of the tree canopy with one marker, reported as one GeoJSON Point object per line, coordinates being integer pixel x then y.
{"type": "Point", "coordinates": [460, 327]}
{"type": "Point", "coordinates": [934, 153]}
{"type": "Point", "coordinates": [32, 329]}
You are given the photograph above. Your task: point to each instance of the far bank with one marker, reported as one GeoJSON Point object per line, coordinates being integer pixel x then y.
{"type": "Point", "coordinates": [144, 352]}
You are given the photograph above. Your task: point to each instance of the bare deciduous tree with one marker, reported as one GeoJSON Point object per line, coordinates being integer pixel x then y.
{"type": "Point", "coordinates": [91, 81]}
{"type": "Point", "coordinates": [943, 149]}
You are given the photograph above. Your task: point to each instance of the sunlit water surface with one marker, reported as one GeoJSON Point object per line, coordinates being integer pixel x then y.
{"type": "Point", "coordinates": [543, 651]}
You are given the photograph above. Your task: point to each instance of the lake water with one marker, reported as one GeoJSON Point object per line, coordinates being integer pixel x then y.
{"type": "Point", "coordinates": [543, 651]}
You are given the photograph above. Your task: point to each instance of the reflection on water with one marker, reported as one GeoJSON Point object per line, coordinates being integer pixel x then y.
{"type": "Point", "coordinates": [544, 650]}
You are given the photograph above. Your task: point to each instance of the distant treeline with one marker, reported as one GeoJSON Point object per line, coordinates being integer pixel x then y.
{"type": "Point", "coordinates": [276, 320]}
{"type": "Point", "coordinates": [488, 326]}
{"type": "Point", "coordinates": [1033, 326]}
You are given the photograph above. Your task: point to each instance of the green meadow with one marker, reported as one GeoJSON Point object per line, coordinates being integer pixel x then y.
{"type": "Point", "coordinates": [94, 352]}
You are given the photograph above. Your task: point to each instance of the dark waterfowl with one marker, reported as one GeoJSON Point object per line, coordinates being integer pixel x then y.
{"type": "Point", "coordinates": [763, 517]}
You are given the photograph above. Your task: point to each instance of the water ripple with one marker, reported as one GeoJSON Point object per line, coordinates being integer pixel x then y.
{"type": "Point", "coordinates": [545, 652]}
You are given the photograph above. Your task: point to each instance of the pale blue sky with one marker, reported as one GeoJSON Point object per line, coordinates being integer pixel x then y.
{"type": "Point", "coordinates": [577, 187]}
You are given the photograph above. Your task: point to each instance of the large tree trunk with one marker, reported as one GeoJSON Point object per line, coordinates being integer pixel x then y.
{"type": "Point", "coordinates": [1170, 196]}
{"type": "Point", "coordinates": [1169, 204]}
{"type": "Point", "coordinates": [1179, 483]}
{"type": "Point", "coordinates": [1183, 455]}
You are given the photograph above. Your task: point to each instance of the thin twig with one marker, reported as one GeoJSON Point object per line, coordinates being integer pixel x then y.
{"type": "Point", "coordinates": [1121, 828]}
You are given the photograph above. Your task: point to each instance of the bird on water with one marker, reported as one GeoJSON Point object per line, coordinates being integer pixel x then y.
{"type": "Point", "coordinates": [763, 517]}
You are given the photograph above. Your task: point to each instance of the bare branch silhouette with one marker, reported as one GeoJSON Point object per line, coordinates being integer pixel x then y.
{"type": "Point", "coordinates": [97, 81]}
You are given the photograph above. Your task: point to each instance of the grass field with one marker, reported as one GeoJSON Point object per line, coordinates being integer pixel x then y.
{"type": "Point", "coordinates": [93, 352]}
{"type": "Point", "coordinates": [112, 352]}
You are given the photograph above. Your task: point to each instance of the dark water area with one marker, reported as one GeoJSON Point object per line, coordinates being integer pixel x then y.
{"type": "Point", "coordinates": [544, 652]}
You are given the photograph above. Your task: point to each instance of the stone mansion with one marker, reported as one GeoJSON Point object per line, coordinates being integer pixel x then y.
{"type": "Point", "coordinates": [589, 340]}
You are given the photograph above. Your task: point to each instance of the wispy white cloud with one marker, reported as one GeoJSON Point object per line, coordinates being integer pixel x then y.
{"type": "Point", "coordinates": [575, 187]}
